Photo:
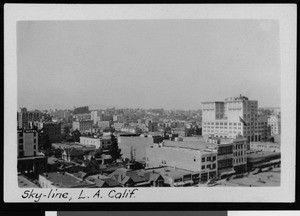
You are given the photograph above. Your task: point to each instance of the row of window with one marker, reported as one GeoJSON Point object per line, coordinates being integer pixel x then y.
{"type": "Point", "coordinates": [221, 123]}
{"type": "Point", "coordinates": [239, 153]}
{"type": "Point", "coordinates": [239, 146]}
{"type": "Point", "coordinates": [22, 141]}
{"type": "Point", "coordinates": [209, 158]}
{"type": "Point", "coordinates": [239, 160]}
{"type": "Point", "coordinates": [223, 127]}
{"type": "Point", "coordinates": [209, 166]}
{"type": "Point", "coordinates": [21, 147]}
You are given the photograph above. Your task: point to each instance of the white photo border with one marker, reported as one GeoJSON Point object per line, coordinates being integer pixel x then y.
{"type": "Point", "coordinates": [285, 13]}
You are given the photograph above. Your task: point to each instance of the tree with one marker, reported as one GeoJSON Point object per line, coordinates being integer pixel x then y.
{"type": "Point", "coordinates": [44, 141]}
{"type": "Point", "coordinates": [114, 150]}
{"type": "Point", "coordinates": [76, 135]}
{"type": "Point", "coordinates": [53, 152]}
{"type": "Point", "coordinates": [66, 130]}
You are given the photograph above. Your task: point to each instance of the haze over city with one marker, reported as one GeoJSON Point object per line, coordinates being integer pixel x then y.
{"type": "Point", "coordinates": [171, 64]}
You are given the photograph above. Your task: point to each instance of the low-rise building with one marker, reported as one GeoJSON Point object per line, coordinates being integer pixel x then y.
{"type": "Point", "coordinates": [134, 147]}
{"type": "Point", "coordinates": [103, 124]}
{"type": "Point", "coordinates": [265, 146]}
{"type": "Point", "coordinates": [118, 126]}
{"type": "Point", "coordinates": [175, 177]}
{"type": "Point", "coordinates": [262, 160]}
{"type": "Point", "coordinates": [83, 126]}
{"type": "Point", "coordinates": [63, 180]}
{"type": "Point", "coordinates": [189, 156]}
{"type": "Point", "coordinates": [87, 140]}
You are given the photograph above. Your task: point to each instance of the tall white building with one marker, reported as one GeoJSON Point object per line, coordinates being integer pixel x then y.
{"type": "Point", "coordinates": [230, 118]}
{"type": "Point", "coordinates": [95, 116]}
{"type": "Point", "coordinates": [274, 121]}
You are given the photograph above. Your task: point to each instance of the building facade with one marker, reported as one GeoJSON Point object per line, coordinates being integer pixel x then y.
{"type": "Point", "coordinates": [194, 160]}
{"type": "Point", "coordinates": [24, 118]}
{"type": "Point", "coordinates": [230, 118]}
{"type": "Point", "coordinates": [274, 121]}
{"type": "Point", "coordinates": [95, 116]}
{"type": "Point", "coordinates": [82, 126]}
{"type": "Point", "coordinates": [265, 146]}
{"type": "Point", "coordinates": [27, 142]}
{"type": "Point", "coordinates": [240, 146]}
{"type": "Point", "coordinates": [152, 126]}
{"type": "Point", "coordinates": [53, 130]}
{"type": "Point", "coordinates": [90, 141]}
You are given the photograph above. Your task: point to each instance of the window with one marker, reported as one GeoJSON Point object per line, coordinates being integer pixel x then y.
{"type": "Point", "coordinates": [21, 147]}
{"type": "Point", "coordinates": [34, 141]}
{"type": "Point", "coordinates": [203, 167]}
{"type": "Point", "coordinates": [214, 166]}
{"type": "Point", "coordinates": [208, 159]}
{"type": "Point", "coordinates": [203, 159]}
{"type": "Point", "coordinates": [34, 147]}
{"type": "Point", "coordinates": [208, 166]}
{"type": "Point", "coordinates": [34, 134]}
{"type": "Point", "coordinates": [214, 158]}
{"type": "Point", "coordinates": [20, 140]}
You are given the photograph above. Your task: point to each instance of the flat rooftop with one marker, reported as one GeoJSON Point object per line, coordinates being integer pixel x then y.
{"type": "Point", "coordinates": [23, 182]}
{"type": "Point", "coordinates": [65, 180]}
{"type": "Point", "coordinates": [72, 145]}
{"type": "Point", "coordinates": [194, 145]}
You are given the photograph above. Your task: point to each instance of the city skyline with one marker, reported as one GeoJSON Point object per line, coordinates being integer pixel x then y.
{"type": "Point", "coordinates": [170, 64]}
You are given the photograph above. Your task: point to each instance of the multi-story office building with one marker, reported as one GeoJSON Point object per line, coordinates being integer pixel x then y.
{"type": "Point", "coordinates": [152, 126]}
{"type": "Point", "coordinates": [53, 130]}
{"type": "Point", "coordinates": [86, 125]}
{"type": "Point", "coordinates": [263, 128]}
{"type": "Point", "coordinates": [95, 116]}
{"type": "Point", "coordinates": [274, 121]}
{"type": "Point", "coordinates": [104, 124]}
{"type": "Point", "coordinates": [24, 117]}
{"type": "Point", "coordinates": [235, 116]}
{"type": "Point", "coordinates": [27, 142]}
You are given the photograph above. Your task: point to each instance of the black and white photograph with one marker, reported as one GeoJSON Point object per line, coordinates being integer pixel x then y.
{"type": "Point", "coordinates": [108, 103]}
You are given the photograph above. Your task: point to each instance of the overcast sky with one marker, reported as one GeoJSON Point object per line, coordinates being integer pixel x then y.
{"type": "Point", "coordinates": [171, 64]}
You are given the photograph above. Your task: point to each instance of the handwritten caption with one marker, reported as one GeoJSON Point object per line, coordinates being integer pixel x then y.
{"type": "Point", "coordinates": [81, 195]}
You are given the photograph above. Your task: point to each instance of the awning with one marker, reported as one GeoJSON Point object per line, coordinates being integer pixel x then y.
{"type": "Point", "coordinates": [179, 184]}
{"type": "Point", "coordinates": [275, 161]}
{"type": "Point", "coordinates": [262, 165]}
{"type": "Point", "coordinates": [189, 182]}
{"type": "Point", "coordinates": [226, 171]}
